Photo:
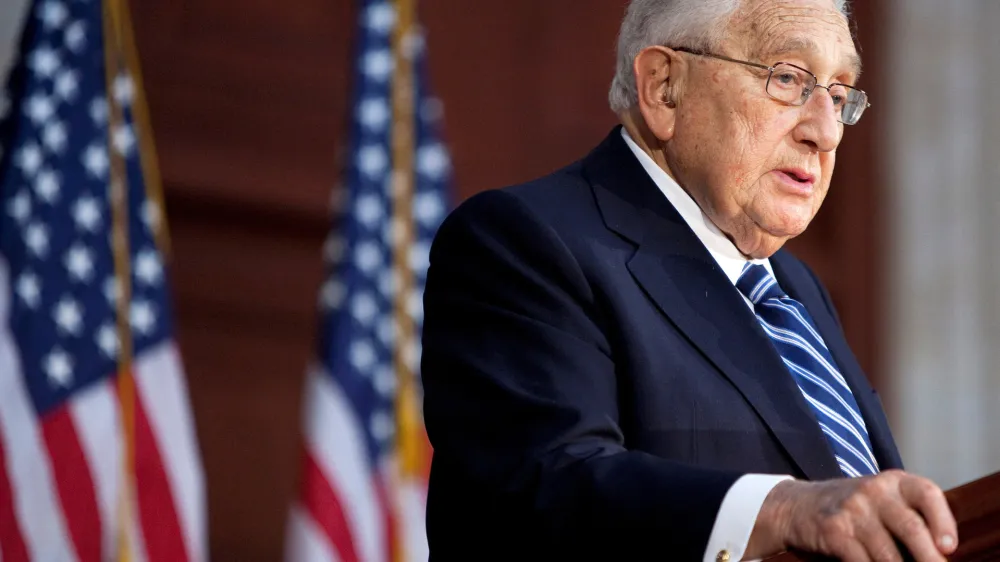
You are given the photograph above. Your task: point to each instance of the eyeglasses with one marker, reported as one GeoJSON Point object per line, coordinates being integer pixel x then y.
{"type": "Point", "coordinates": [793, 85]}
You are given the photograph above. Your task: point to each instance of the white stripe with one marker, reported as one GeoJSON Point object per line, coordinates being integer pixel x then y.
{"type": "Point", "coordinates": [305, 542]}
{"type": "Point", "coordinates": [847, 468]}
{"type": "Point", "coordinates": [96, 417]}
{"type": "Point", "coordinates": [792, 338]}
{"type": "Point", "coordinates": [791, 309]}
{"type": "Point", "coordinates": [761, 288]}
{"type": "Point", "coordinates": [412, 510]}
{"type": "Point", "coordinates": [841, 422]}
{"type": "Point", "coordinates": [848, 446]}
{"type": "Point", "coordinates": [136, 540]}
{"type": "Point", "coordinates": [825, 386]}
{"type": "Point", "coordinates": [334, 436]}
{"type": "Point", "coordinates": [36, 501]}
{"type": "Point", "coordinates": [163, 390]}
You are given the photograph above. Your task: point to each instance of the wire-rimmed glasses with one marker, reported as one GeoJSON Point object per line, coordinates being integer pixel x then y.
{"type": "Point", "coordinates": [793, 85]}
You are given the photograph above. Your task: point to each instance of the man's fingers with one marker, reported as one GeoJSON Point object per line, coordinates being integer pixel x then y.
{"type": "Point", "coordinates": [911, 530]}
{"type": "Point", "coordinates": [925, 497]}
{"type": "Point", "coordinates": [878, 543]}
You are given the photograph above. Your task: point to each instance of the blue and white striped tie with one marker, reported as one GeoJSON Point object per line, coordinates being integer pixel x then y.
{"type": "Point", "coordinates": [804, 352]}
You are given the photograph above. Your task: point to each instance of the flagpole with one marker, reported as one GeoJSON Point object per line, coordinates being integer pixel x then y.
{"type": "Point", "coordinates": [408, 420]}
{"type": "Point", "coordinates": [118, 196]}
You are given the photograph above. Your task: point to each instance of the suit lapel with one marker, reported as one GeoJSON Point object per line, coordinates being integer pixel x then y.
{"type": "Point", "coordinates": [797, 282]}
{"type": "Point", "coordinates": [678, 274]}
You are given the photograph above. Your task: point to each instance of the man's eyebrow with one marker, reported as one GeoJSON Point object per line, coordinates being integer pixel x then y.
{"type": "Point", "coordinates": [768, 54]}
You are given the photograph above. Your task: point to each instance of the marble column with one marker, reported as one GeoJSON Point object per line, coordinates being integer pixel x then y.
{"type": "Point", "coordinates": [942, 290]}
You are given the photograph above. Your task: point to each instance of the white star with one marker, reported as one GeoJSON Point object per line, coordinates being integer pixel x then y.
{"type": "Point", "coordinates": [53, 14]}
{"type": "Point", "coordinates": [58, 365]}
{"type": "Point", "coordinates": [68, 316]}
{"type": "Point", "coordinates": [148, 268]}
{"type": "Point", "coordinates": [413, 44]}
{"type": "Point", "coordinates": [369, 210]}
{"type": "Point", "coordinates": [368, 256]}
{"type": "Point", "coordinates": [99, 111]}
{"type": "Point", "coordinates": [386, 329]}
{"type": "Point", "coordinates": [374, 113]}
{"type": "Point", "coordinates": [382, 427]}
{"type": "Point", "coordinates": [142, 316]}
{"type": "Point", "coordinates": [123, 139]}
{"type": "Point", "coordinates": [54, 136]}
{"type": "Point", "coordinates": [380, 17]}
{"type": "Point", "coordinates": [428, 208]}
{"type": "Point", "coordinates": [112, 290]}
{"type": "Point", "coordinates": [420, 256]}
{"type": "Point", "coordinates": [388, 280]}
{"type": "Point", "coordinates": [384, 380]}
{"type": "Point", "coordinates": [44, 61]}
{"type": "Point", "coordinates": [76, 36]}
{"type": "Point", "coordinates": [29, 159]}
{"type": "Point", "coordinates": [124, 89]}
{"type": "Point", "coordinates": [36, 237]}
{"type": "Point", "coordinates": [87, 214]}
{"type": "Point", "coordinates": [431, 110]}
{"type": "Point", "coordinates": [39, 109]}
{"type": "Point", "coordinates": [362, 355]}
{"type": "Point", "coordinates": [67, 85]}
{"type": "Point", "coordinates": [107, 340]}
{"type": "Point", "coordinates": [373, 161]}
{"type": "Point", "coordinates": [364, 308]}
{"type": "Point", "coordinates": [378, 65]}
{"type": "Point", "coordinates": [19, 207]}
{"type": "Point", "coordinates": [433, 161]}
{"type": "Point", "coordinates": [411, 355]}
{"type": "Point", "coordinates": [415, 306]}
{"type": "Point", "coordinates": [47, 185]}
{"type": "Point", "coordinates": [95, 160]}
{"type": "Point", "coordinates": [29, 288]}
{"type": "Point", "coordinates": [151, 214]}
{"type": "Point", "coordinates": [332, 295]}
{"type": "Point", "coordinates": [333, 248]}
{"type": "Point", "coordinates": [80, 263]}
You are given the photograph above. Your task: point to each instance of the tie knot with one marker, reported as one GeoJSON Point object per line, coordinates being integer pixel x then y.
{"type": "Point", "coordinates": [757, 284]}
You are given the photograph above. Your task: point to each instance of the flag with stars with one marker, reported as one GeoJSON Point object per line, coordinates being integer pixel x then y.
{"type": "Point", "coordinates": [365, 460]}
{"type": "Point", "coordinates": [98, 455]}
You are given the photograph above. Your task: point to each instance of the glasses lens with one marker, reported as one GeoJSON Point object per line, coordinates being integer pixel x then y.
{"type": "Point", "coordinates": [857, 102]}
{"type": "Point", "coordinates": [790, 84]}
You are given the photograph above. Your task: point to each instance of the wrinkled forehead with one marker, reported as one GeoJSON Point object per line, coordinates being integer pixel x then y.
{"type": "Point", "coordinates": [814, 31]}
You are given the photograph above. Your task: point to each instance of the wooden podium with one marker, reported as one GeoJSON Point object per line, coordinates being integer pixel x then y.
{"type": "Point", "coordinates": [976, 506]}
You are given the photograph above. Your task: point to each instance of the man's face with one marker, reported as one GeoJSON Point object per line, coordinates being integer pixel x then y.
{"type": "Point", "coordinates": [760, 168]}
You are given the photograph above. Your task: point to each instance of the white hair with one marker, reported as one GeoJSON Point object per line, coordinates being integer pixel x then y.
{"type": "Point", "coordinates": [695, 24]}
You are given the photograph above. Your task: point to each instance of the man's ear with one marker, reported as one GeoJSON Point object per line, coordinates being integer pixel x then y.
{"type": "Point", "coordinates": [657, 75]}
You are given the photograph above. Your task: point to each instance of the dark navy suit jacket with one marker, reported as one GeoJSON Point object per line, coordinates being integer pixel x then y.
{"type": "Point", "coordinates": [594, 383]}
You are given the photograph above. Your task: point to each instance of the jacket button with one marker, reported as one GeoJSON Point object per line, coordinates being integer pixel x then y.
{"type": "Point", "coordinates": [723, 556]}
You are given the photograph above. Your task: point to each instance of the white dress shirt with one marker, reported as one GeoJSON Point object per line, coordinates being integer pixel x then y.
{"type": "Point", "coordinates": [741, 505]}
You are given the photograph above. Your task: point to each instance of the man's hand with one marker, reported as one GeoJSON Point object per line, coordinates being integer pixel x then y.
{"type": "Point", "coordinates": [857, 519]}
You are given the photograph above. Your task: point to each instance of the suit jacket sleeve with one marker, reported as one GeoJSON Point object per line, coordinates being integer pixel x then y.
{"type": "Point", "coordinates": [521, 407]}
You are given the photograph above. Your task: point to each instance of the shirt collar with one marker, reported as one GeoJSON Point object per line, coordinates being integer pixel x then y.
{"type": "Point", "coordinates": [722, 249]}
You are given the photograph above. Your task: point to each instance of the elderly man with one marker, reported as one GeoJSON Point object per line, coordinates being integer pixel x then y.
{"type": "Point", "coordinates": [621, 363]}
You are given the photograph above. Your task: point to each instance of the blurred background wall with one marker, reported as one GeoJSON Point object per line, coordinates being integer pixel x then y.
{"type": "Point", "coordinates": [249, 102]}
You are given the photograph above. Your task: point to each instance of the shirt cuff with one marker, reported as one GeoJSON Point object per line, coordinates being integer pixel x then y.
{"type": "Point", "coordinates": [737, 516]}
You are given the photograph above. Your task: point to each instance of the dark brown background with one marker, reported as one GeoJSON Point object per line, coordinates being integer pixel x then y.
{"type": "Point", "coordinates": [249, 100]}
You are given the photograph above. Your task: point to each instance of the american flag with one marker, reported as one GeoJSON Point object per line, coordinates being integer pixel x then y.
{"type": "Point", "coordinates": [364, 477]}
{"type": "Point", "coordinates": [98, 454]}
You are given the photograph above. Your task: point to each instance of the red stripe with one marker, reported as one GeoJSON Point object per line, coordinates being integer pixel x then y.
{"type": "Point", "coordinates": [157, 511]}
{"type": "Point", "coordinates": [74, 483]}
{"type": "Point", "coordinates": [12, 547]}
{"type": "Point", "coordinates": [324, 507]}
